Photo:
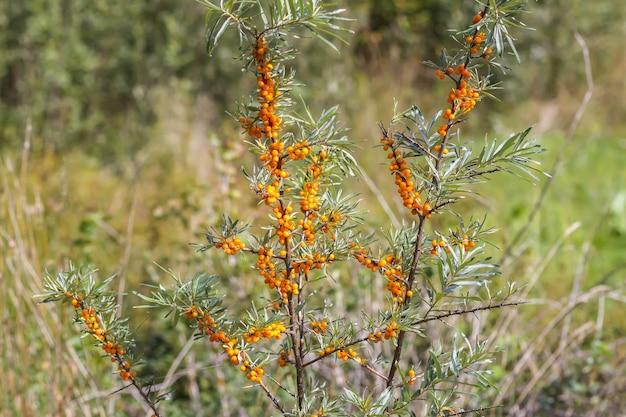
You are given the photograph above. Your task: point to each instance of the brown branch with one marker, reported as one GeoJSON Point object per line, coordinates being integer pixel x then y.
{"type": "Point", "coordinates": [460, 312]}
{"type": "Point", "coordinates": [473, 410]}
{"type": "Point", "coordinates": [412, 273]}
{"type": "Point", "coordinates": [477, 174]}
{"type": "Point", "coordinates": [272, 397]}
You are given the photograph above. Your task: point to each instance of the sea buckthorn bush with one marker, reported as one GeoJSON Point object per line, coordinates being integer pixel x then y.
{"type": "Point", "coordinates": [435, 281]}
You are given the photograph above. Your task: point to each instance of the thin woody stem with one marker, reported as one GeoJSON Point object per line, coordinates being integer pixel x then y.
{"type": "Point", "coordinates": [420, 233]}
{"type": "Point", "coordinates": [412, 274]}
{"type": "Point", "coordinates": [272, 397]}
{"type": "Point", "coordinates": [460, 312]}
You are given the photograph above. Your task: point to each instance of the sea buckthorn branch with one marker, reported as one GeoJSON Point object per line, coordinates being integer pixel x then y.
{"type": "Point", "coordinates": [286, 16]}
{"type": "Point", "coordinates": [309, 226]}
{"type": "Point", "coordinates": [302, 159]}
{"type": "Point", "coordinates": [226, 238]}
{"type": "Point", "coordinates": [461, 312]}
{"type": "Point", "coordinates": [95, 308]}
{"type": "Point", "coordinates": [469, 86]}
{"type": "Point", "coordinates": [198, 301]}
{"type": "Point", "coordinates": [432, 173]}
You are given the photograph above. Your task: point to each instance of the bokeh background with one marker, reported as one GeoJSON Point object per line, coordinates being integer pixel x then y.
{"type": "Point", "coordinates": [117, 152]}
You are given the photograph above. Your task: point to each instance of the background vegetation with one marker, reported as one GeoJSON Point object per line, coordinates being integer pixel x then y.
{"type": "Point", "coordinates": [116, 152]}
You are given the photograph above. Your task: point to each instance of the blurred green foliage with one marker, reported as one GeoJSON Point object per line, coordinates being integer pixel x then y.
{"type": "Point", "coordinates": [87, 73]}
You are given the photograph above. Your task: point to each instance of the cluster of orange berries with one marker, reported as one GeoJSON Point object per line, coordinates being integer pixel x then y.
{"type": "Point", "coordinates": [92, 321]}
{"type": "Point", "coordinates": [448, 114]}
{"type": "Point", "coordinates": [437, 148]}
{"type": "Point", "coordinates": [271, 331]}
{"type": "Point", "coordinates": [89, 316]}
{"type": "Point", "coordinates": [315, 261]}
{"type": "Point", "coordinates": [94, 324]}
{"type": "Point", "coordinates": [234, 354]}
{"type": "Point", "coordinates": [255, 374]}
{"type": "Point", "coordinates": [411, 377]}
{"type": "Point", "coordinates": [317, 164]}
{"type": "Point", "coordinates": [283, 358]}
{"type": "Point", "coordinates": [443, 130]}
{"type": "Point", "coordinates": [125, 372]}
{"type": "Point", "coordinates": [390, 332]}
{"type": "Point", "coordinates": [232, 246]}
{"type": "Point", "coordinates": [299, 150]}
{"type": "Point", "coordinates": [360, 254]}
{"type": "Point", "coordinates": [330, 220]}
{"type": "Point", "coordinates": [391, 269]}
{"type": "Point", "coordinates": [327, 351]}
{"type": "Point", "coordinates": [309, 204]}
{"type": "Point", "coordinates": [310, 200]}
{"type": "Point", "coordinates": [112, 349]}
{"type": "Point", "coordinates": [475, 41]}
{"type": "Point", "coordinates": [395, 278]}
{"type": "Point", "coordinates": [463, 97]}
{"type": "Point", "coordinates": [465, 243]}
{"type": "Point", "coordinates": [403, 178]}
{"type": "Point", "coordinates": [285, 223]}
{"type": "Point", "coordinates": [267, 270]}
{"type": "Point", "coordinates": [375, 337]}
{"type": "Point", "coordinates": [459, 70]}
{"type": "Point", "coordinates": [269, 194]}
{"type": "Point", "coordinates": [273, 159]}
{"type": "Point", "coordinates": [205, 324]}
{"type": "Point", "coordinates": [308, 228]}
{"type": "Point", "coordinates": [267, 95]}
{"type": "Point", "coordinates": [267, 123]}
{"type": "Point", "coordinates": [266, 266]}
{"type": "Point", "coordinates": [250, 127]}
{"type": "Point", "coordinates": [397, 288]}
{"type": "Point", "coordinates": [319, 326]}
{"type": "Point", "coordinates": [344, 354]}
{"type": "Point", "coordinates": [438, 244]}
